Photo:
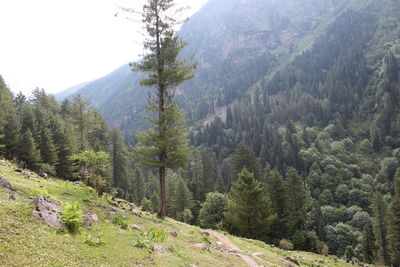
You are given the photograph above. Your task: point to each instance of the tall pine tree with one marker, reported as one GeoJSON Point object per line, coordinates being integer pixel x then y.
{"type": "Point", "coordinates": [164, 145]}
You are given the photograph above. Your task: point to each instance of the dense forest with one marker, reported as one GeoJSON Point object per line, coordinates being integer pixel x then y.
{"type": "Point", "coordinates": [298, 148]}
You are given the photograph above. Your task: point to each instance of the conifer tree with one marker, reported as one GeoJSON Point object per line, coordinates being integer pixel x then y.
{"type": "Point", "coordinates": [394, 224]}
{"type": "Point", "coordinates": [29, 151]}
{"type": "Point", "coordinates": [119, 161]}
{"type": "Point", "coordinates": [379, 208]}
{"type": "Point", "coordinates": [47, 148]}
{"type": "Point", "coordinates": [164, 146]}
{"type": "Point", "coordinates": [297, 200]}
{"type": "Point", "coordinates": [249, 209]}
{"type": "Point", "coordinates": [277, 192]}
{"type": "Point", "coordinates": [138, 186]}
{"type": "Point", "coordinates": [80, 118]}
{"type": "Point", "coordinates": [183, 199]}
{"type": "Point", "coordinates": [245, 157]}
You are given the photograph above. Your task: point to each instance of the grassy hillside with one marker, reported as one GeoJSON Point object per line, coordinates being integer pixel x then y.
{"type": "Point", "coordinates": [25, 241]}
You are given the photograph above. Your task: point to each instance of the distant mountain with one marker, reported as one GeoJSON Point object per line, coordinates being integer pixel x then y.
{"type": "Point", "coordinates": [70, 91]}
{"type": "Point", "coordinates": [236, 43]}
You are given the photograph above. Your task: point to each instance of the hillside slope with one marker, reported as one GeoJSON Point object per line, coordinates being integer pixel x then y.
{"type": "Point", "coordinates": [231, 56]}
{"type": "Point", "coordinates": [25, 241]}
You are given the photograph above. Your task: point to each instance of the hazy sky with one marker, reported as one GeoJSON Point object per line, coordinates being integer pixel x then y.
{"type": "Point", "coordinates": [55, 44]}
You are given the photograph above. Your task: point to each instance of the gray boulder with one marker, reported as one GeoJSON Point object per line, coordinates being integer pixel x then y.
{"type": "Point", "coordinates": [89, 219]}
{"type": "Point", "coordinates": [5, 183]}
{"type": "Point", "coordinates": [201, 246]}
{"type": "Point", "coordinates": [48, 211]}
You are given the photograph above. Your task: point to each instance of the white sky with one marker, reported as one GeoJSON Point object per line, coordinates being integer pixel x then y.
{"type": "Point", "coordinates": [56, 44]}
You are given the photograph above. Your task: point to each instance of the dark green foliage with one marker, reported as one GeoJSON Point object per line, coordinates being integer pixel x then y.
{"type": "Point", "coordinates": [212, 211]}
{"type": "Point", "coordinates": [29, 151]}
{"type": "Point", "coordinates": [394, 226]}
{"type": "Point", "coordinates": [249, 209]}
{"type": "Point", "coordinates": [137, 186]}
{"type": "Point", "coordinates": [119, 164]}
{"type": "Point", "coordinates": [379, 208]}
{"type": "Point", "coordinates": [245, 158]}
{"type": "Point", "coordinates": [181, 200]}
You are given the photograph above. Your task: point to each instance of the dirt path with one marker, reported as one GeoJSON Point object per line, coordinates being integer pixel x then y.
{"type": "Point", "coordinates": [232, 249]}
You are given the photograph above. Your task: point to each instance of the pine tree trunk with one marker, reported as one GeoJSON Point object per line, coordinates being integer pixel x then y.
{"type": "Point", "coordinates": [163, 197]}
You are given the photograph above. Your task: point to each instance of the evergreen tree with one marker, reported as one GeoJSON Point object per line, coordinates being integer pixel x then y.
{"type": "Point", "coordinates": [119, 161]}
{"type": "Point", "coordinates": [80, 119]}
{"type": "Point", "coordinates": [138, 186]}
{"type": "Point", "coordinates": [47, 148]}
{"type": "Point", "coordinates": [183, 199]}
{"type": "Point", "coordinates": [394, 225]}
{"type": "Point", "coordinates": [379, 209]}
{"type": "Point", "coordinates": [245, 157]}
{"type": "Point", "coordinates": [29, 151]}
{"type": "Point", "coordinates": [368, 243]}
{"type": "Point", "coordinates": [249, 210]}
{"type": "Point", "coordinates": [163, 146]}
{"type": "Point", "coordinates": [297, 201]}
{"type": "Point", "coordinates": [277, 192]}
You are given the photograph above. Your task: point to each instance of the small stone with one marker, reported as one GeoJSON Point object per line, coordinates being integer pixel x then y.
{"type": "Point", "coordinates": [201, 246]}
{"type": "Point", "coordinates": [293, 260]}
{"type": "Point", "coordinates": [89, 218]}
{"type": "Point", "coordinates": [18, 170]}
{"type": "Point", "coordinates": [174, 234]}
{"type": "Point", "coordinates": [77, 183]}
{"type": "Point", "coordinates": [43, 175]}
{"type": "Point", "coordinates": [12, 197]}
{"type": "Point", "coordinates": [26, 174]}
{"type": "Point", "coordinates": [257, 254]}
{"type": "Point", "coordinates": [205, 233]}
{"type": "Point", "coordinates": [134, 227]}
{"type": "Point", "coordinates": [3, 163]}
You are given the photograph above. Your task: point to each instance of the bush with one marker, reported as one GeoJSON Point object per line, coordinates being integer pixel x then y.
{"type": "Point", "coordinates": [94, 239]}
{"type": "Point", "coordinates": [285, 244]}
{"type": "Point", "coordinates": [187, 216]}
{"type": "Point", "coordinates": [156, 235]}
{"type": "Point", "coordinates": [119, 220]}
{"type": "Point", "coordinates": [42, 191]}
{"type": "Point", "coordinates": [145, 203]}
{"type": "Point", "coordinates": [72, 217]}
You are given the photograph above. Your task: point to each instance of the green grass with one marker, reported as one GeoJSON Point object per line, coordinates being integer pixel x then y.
{"type": "Point", "coordinates": [25, 241]}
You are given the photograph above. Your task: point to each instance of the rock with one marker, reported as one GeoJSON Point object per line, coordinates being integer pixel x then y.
{"type": "Point", "coordinates": [292, 260]}
{"type": "Point", "coordinates": [117, 210]}
{"type": "Point", "coordinates": [192, 265]}
{"type": "Point", "coordinates": [3, 163]}
{"type": "Point", "coordinates": [18, 170]}
{"type": "Point", "coordinates": [77, 183]}
{"type": "Point", "coordinates": [89, 218]}
{"type": "Point", "coordinates": [174, 234]}
{"type": "Point", "coordinates": [48, 211]}
{"type": "Point", "coordinates": [5, 183]}
{"type": "Point", "coordinates": [257, 254]}
{"type": "Point", "coordinates": [219, 244]}
{"type": "Point", "coordinates": [136, 213]}
{"type": "Point", "coordinates": [12, 197]}
{"type": "Point", "coordinates": [43, 175]}
{"type": "Point", "coordinates": [205, 233]}
{"type": "Point", "coordinates": [134, 227]}
{"type": "Point", "coordinates": [201, 246]}
{"type": "Point", "coordinates": [26, 174]}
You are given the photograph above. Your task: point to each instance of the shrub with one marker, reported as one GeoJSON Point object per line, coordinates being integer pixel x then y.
{"type": "Point", "coordinates": [72, 216]}
{"type": "Point", "coordinates": [119, 220]}
{"type": "Point", "coordinates": [156, 235]}
{"type": "Point", "coordinates": [187, 216]}
{"type": "Point", "coordinates": [285, 244]}
{"type": "Point", "coordinates": [42, 191]}
{"type": "Point", "coordinates": [145, 203]}
{"type": "Point", "coordinates": [94, 239]}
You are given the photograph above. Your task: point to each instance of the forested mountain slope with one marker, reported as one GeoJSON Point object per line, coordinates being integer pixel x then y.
{"type": "Point", "coordinates": [305, 95]}
{"type": "Point", "coordinates": [236, 43]}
